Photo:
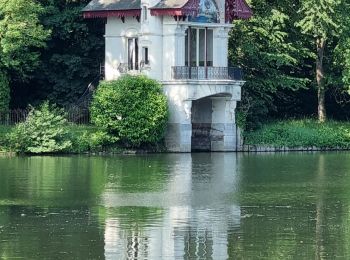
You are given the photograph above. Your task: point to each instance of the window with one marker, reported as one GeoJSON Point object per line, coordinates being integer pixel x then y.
{"type": "Point", "coordinates": [145, 58]}
{"type": "Point", "coordinates": [199, 47]}
{"type": "Point", "coordinates": [133, 54]}
{"type": "Point", "coordinates": [144, 13]}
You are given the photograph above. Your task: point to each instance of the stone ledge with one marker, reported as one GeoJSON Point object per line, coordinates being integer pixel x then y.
{"type": "Point", "coordinates": [264, 149]}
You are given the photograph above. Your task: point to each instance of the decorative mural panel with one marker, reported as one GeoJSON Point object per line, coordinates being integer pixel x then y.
{"type": "Point", "coordinates": [208, 12]}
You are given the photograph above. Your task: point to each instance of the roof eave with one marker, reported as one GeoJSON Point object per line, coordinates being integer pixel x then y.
{"type": "Point", "coordinates": [111, 13]}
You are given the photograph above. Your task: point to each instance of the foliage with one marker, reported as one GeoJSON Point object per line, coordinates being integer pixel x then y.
{"type": "Point", "coordinates": [342, 52]}
{"type": "Point", "coordinates": [321, 23]}
{"type": "Point", "coordinates": [4, 92]}
{"type": "Point", "coordinates": [297, 133]}
{"type": "Point", "coordinates": [21, 34]}
{"type": "Point", "coordinates": [89, 139]}
{"type": "Point", "coordinates": [319, 17]}
{"type": "Point", "coordinates": [270, 55]}
{"type": "Point", "coordinates": [48, 51]}
{"type": "Point", "coordinates": [4, 130]}
{"type": "Point", "coordinates": [42, 132]}
{"type": "Point", "coordinates": [71, 59]}
{"type": "Point", "coordinates": [132, 108]}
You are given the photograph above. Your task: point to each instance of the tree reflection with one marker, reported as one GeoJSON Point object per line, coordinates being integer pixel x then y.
{"type": "Point", "coordinates": [220, 206]}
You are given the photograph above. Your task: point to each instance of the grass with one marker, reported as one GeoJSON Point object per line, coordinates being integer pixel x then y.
{"type": "Point", "coordinates": [301, 133]}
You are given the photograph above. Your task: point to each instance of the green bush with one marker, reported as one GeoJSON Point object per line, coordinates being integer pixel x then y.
{"type": "Point", "coordinates": [4, 92]}
{"type": "Point", "coordinates": [42, 132]}
{"type": "Point", "coordinates": [94, 141]}
{"type": "Point", "coordinates": [306, 133]}
{"type": "Point", "coordinates": [132, 109]}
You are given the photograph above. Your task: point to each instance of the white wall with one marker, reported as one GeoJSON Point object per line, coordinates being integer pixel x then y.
{"type": "Point", "coordinates": [116, 36]}
{"type": "Point", "coordinates": [151, 37]}
{"type": "Point", "coordinates": [165, 39]}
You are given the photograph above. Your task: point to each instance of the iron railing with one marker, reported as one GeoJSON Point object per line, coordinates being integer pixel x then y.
{"type": "Point", "coordinates": [76, 115]}
{"type": "Point", "coordinates": [202, 73]}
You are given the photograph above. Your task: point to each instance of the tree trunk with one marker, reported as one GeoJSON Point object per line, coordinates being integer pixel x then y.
{"type": "Point", "coordinates": [320, 44]}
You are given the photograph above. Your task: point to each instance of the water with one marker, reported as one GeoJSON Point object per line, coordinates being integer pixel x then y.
{"type": "Point", "coordinates": [176, 206]}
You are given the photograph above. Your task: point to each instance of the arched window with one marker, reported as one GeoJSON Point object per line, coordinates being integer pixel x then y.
{"type": "Point", "coordinates": [208, 12]}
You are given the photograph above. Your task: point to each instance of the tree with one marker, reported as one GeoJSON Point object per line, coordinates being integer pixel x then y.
{"type": "Point", "coordinates": [321, 23]}
{"type": "Point", "coordinates": [73, 55]}
{"type": "Point", "coordinates": [342, 50]}
{"type": "Point", "coordinates": [21, 35]}
{"type": "Point", "coordinates": [271, 55]}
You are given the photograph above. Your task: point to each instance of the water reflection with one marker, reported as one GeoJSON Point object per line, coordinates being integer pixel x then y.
{"type": "Point", "coordinates": [197, 218]}
{"type": "Point", "coordinates": [176, 206]}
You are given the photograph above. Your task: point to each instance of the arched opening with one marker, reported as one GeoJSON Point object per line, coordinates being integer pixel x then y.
{"type": "Point", "coordinates": [201, 124]}
{"type": "Point", "coordinates": [205, 113]}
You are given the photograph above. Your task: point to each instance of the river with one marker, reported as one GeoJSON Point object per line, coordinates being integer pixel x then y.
{"type": "Point", "coordinates": [176, 206]}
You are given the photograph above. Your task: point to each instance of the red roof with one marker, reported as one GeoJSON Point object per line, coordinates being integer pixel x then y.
{"type": "Point", "coordinates": [235, 9]}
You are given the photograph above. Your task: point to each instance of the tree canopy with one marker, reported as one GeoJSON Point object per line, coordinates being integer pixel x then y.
{"type": "Point", "coordinates": [292, 55]}
{"type": "Point", "coordinates": [21, 35]}
{"type": "Point", "coordinates": [295, 56]}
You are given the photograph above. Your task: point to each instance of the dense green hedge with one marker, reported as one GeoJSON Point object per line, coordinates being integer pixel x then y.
{"type": "Point", "coordinates": [132, 109]}
{"type": "Point", "coordinates": [297, 133]}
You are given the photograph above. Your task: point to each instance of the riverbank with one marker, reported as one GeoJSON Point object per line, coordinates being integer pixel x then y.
{"type": "Point", "coordinates": [280, 136]}
{"type": "Point", "coordinates": [85, 139]}
{"type": "Point", "coordinates": [299, 135]}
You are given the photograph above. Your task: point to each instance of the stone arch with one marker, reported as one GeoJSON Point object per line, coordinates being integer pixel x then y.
{"type": "Point", "coordinates": [130, 32]}
{"type": "Point", "coordinates": [202, 91]}
{"type": "Point", "coordinates": [209, 116]}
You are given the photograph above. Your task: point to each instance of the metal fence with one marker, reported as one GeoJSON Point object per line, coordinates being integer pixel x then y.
{"type": "Point", "coordinates": [76, 115]}
{"type": "Point", "coordinates": [206, 73]}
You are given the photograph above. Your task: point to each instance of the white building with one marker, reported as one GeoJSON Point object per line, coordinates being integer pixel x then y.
{"type": "Point", "coordinates": [184, 45]}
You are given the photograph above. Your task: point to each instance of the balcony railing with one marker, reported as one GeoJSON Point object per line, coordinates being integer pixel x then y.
{"type": "Point", "coordinates": [203, 73]}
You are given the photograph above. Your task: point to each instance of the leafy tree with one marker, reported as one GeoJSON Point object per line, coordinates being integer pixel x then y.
{"type": "Point", "coordinates": [321, 22]}
{"type": "Point", "coordinates": [132, 108]}
{"type": "Point", "coordinates": [271, 56]}
{"type": "Point", "coordinates": [73, 56]}
{"type": "Point", "coordinates": [21, 34]}
{"type": "Point", "coordinates": [342, 50]}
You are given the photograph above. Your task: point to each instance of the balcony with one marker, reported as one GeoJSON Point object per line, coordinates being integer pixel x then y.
{"type": "Point", "coordinates": [206, 73]}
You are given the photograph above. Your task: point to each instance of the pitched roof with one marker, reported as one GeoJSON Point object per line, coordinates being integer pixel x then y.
{"type": "Point", "coordinates": [112, 5]}
{"type": "Point", "coordinates": [175, 7]}
{"type": "Point", "coordinates": [237, 9]}
{"type": "Point", "coordinates": [166, 4]}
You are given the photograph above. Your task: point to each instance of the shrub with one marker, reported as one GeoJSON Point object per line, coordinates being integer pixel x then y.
{"type": "Point", "coordinates": [4, 92]}
{"type": "Point", "coordinates": [91, 141]}
{"type": "Point", "coordinates": [306, 133]}
{"type": "Point", "coordinates": [132, 109]}
{"type": "Point", "coordinates": [42, 132]}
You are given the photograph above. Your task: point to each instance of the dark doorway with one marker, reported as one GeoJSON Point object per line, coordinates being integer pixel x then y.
{"type": "Point", "coordinates": [201, 125]}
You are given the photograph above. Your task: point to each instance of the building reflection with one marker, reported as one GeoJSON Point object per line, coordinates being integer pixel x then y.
{"type": "Point", "coordinates": [193, 219]}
